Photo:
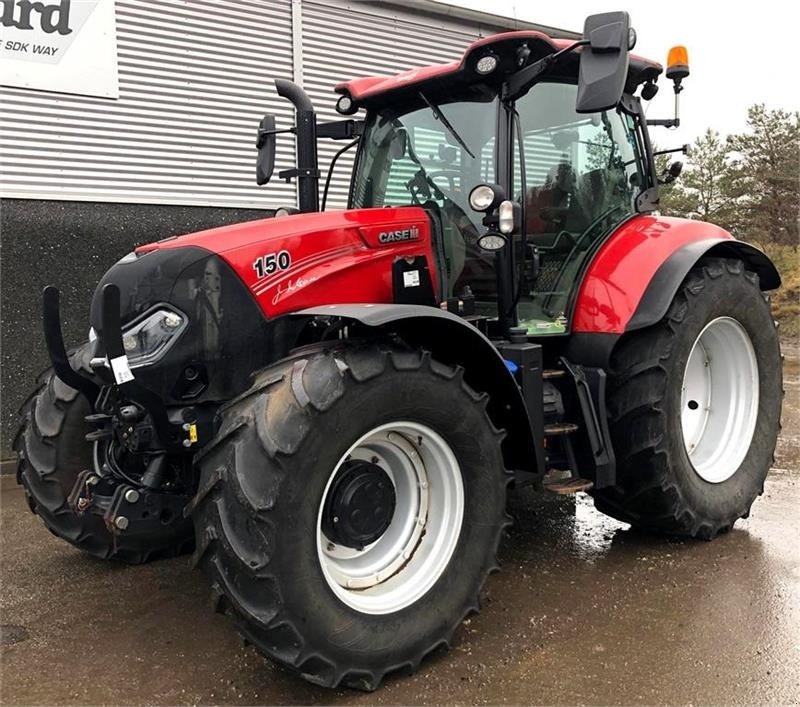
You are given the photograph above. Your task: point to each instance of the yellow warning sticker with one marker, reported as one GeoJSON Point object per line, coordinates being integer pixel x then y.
{"type": "Point", "coordinates": [192, 433]}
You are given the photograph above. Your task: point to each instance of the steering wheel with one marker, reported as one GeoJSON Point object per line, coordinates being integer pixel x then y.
{"type": "Point", "coordinates": [422, 188]}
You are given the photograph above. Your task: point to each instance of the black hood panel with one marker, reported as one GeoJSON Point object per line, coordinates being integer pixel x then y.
{"type": "Point", "coordinates": [227, 336]}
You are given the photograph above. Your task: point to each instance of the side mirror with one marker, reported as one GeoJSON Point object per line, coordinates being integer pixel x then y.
{"type": "Point", "coordinates": [604, 61]}
{"type": "Point", "coordinates": [265, 142]}
{"type": "Point", "coordinates": [672, 172]}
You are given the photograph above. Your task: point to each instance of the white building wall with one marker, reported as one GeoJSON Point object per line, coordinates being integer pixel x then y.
{"type": "Point", "coordinates": [195, 77]}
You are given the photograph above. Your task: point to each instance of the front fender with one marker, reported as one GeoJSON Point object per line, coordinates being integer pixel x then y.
{"type": "Point", "coordinates": [637, 271]}
{"type": "Point", "coordinates": [455, 342]}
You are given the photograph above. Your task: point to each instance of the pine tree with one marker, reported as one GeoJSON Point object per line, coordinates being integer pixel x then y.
{"type": "Point", "coordinates": [768, 164]}
{"type": "Point", "coordinates": [710, 187]}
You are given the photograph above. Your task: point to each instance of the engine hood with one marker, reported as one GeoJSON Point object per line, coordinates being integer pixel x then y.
{"type": "Point", "coordinates": [225, 239]}
{"type": "Point", "coordinates": [307, 260]}
{"type": "Point", "coordinates": [235, 283]}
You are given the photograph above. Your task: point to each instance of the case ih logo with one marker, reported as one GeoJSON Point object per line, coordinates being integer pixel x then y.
{"type": "Point", "coordinates": [407, 234]}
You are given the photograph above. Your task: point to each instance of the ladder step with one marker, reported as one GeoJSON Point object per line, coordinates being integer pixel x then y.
{"type": "Point", "coordinates": [549, 374]}
{"type": "Point", "coordinates": [560, 428]}
{"type": "Point", "coordinates": [566, 487]}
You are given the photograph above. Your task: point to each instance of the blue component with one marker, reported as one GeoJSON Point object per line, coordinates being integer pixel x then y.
{"type": "Point", "coordinates": [511, 366]}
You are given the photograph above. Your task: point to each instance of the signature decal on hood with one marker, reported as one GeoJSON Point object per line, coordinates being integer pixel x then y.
{"type": "Point", "coordinates": [292, 286]}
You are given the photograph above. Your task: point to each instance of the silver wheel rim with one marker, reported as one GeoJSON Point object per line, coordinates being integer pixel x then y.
{"type": "Point", "coordinates": [399, 567]}
{"type": "Point", "coordinates": [719, 399]}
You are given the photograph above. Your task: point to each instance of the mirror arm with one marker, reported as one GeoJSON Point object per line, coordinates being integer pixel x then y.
{"type": "Point", "coordinates": [683, 148]}
{"type": "Point", "coordinates": [261, 138]}
{"type": "Point", "coordinates": [517, 83]}
{"type": "Point", "coordinates": [664, 122]}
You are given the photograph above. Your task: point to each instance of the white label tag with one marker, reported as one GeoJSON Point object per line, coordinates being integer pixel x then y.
{"type": "Point", "coordinates": [411, 278]}
{"type": "Point", "coordinates": [121, 369]}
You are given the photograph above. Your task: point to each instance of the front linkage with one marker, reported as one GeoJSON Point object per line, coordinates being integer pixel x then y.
{"type": "Point", "coordinates": [142, 476]}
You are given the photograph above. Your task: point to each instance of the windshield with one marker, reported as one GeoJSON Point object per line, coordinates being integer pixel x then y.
{"type": "Point", "coordinates": [433, 156]}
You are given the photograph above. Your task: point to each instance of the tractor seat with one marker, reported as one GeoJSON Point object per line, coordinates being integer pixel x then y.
{"type": "Point", "coordinates": [548, 207]}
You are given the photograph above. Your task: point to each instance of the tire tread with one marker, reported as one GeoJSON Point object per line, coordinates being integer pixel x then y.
{"type": "Point", "coordinates": [280, 406]}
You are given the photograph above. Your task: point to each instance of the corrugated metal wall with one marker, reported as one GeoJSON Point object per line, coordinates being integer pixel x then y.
{"type": "Point", "coordinates": [195, 78]}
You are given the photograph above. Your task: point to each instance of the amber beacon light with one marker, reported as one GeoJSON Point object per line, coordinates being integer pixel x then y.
{"type": "Point", "coordinates": [677, 64]}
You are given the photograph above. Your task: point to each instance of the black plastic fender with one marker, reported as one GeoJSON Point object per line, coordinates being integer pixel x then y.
{"type": "Point", "coordinates": [454, 341]}
{"type": "Point", "coordinates": [669, 276]}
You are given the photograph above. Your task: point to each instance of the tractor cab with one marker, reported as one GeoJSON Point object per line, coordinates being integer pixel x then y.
{"type": "Point", "coordinates": [550, 125]}
{"type": "Point", "coordinates": [574, 178]}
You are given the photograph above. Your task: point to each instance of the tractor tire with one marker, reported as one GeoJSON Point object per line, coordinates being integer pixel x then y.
{"type": "Point", "coordinates": [280, 473]}
{"type": "Point", "coordinates": [52, 452]}
{"type": "Point", "coordinates": [694, 436]}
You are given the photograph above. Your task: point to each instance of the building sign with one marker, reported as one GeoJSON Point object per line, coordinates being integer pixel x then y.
{"type": "Point", "coordinates": [66, 46]}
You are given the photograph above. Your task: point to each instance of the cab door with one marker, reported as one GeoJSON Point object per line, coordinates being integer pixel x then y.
{"type": "Point", "coordinates": [577, 180]}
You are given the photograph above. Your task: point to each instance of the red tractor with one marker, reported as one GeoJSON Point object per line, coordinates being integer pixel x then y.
{"type": "Point", "coordinates": [330, 406]}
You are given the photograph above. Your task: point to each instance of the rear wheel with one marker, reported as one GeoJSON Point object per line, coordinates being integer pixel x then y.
{"type": "Point", "coordinates": [694, 407]}
{"type": "Point", "coordinates": [350, 510]}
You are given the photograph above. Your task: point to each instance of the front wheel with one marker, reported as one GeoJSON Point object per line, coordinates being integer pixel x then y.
{"type": "Point", "coordinates": [350, 510]}
{"type": "Point", "coordinates": [694, 407]}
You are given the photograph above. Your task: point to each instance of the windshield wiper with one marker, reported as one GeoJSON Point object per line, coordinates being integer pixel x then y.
{"type": "Point", "coordinates": [437, 112]}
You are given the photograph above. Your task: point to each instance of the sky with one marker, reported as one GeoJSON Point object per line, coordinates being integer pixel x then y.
{"type": "Point", "coordinates": [739, 54]}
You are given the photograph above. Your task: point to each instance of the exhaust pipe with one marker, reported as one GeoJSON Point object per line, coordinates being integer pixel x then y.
{"type": "Point", "coordinates": [307, 169]}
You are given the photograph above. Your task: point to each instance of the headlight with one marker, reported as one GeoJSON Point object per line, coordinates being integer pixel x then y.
{"type": "Point", "coordinates": [486, 64]}
{"type": "Point", "coordinates": [485, 197]}
{"type": "Point", "coordinates": [491, 242]}
{"type": "Point", "coordinates": [150, 338]}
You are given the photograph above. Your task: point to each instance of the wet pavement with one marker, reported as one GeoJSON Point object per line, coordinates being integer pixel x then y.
{"type": "Point", "coordinates": [585, 611]}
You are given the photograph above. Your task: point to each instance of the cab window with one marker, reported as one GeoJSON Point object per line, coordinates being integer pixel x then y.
{"type": "Point", "coordinates": [409, 157]}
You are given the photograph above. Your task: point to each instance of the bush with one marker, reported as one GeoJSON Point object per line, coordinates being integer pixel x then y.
{"type": "Point", "coordinates": [786, 300]}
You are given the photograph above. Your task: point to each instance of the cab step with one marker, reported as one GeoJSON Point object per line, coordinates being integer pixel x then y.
{"type": "Point", "coordinates": [564, 484]}
{"type": "Point", "coordinates": [560, 428]}
{"type": "Point", "coordinates": [551, 373]}
{"type": "Point", "coordinates": [568, 487]}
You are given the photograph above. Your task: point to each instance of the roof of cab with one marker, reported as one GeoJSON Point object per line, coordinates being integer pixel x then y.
{"type": "Point", "coordinates": [370, 87]}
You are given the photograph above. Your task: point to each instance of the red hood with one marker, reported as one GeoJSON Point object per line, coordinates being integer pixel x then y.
{"type": "Point", "coordinates": [229, 238]}
{"type": "Point", "coordinates": [306, 260]}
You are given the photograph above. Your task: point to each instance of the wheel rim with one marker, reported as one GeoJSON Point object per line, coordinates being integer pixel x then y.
{"type": "Point", "coordinates": [719, 399]}
{"type": "Point", "coordinates": [408, 558]}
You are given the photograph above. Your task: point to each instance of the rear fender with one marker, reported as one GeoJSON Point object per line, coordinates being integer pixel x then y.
{"type": "Point", "coordinates": [639, 268]}
{"type": "Point", "coordinates": [668, 278]}
{"type": "Point", "coordinates": [455, 342]}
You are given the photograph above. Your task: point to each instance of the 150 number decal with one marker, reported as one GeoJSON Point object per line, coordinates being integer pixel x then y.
{"type": "Point", "coordinates": [270, 263]}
